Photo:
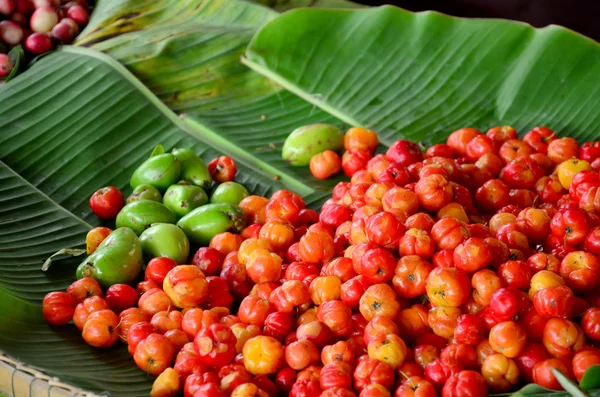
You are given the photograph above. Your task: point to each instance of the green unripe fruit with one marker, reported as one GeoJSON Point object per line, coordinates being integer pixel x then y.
{"type": "Point", "coordinates": [144, 192]}
{"type": "Point", "coordinates": [183, 199]}
{"type": "Point", "coordinates": [193, 169]}
{"type": "Point", "coordinates": [117, 260]}
{"type": "Point", "coordinates": [140, 215]}
{"type": "Point", "coordinates": [159, 171]}
{"type": "Point", "coordinates": [304, 142]}
{"type": "Point", "coordinates": [165, 239]}
{"type": "Point", "coordinates": [229, 192]}
{"type": "Point", "coordinates": [203, 223]}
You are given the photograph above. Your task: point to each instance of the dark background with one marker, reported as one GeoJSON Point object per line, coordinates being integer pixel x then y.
{"type": "Point", "coordinates": [579, 15]}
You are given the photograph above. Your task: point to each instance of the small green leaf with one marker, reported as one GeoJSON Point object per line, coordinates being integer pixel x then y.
{"type": "Point", "coordinates": [568, 384]}
{"type": "Point", "coordinates": [591, 378]}
{"type": "Point", "coordinates": [16, 54]}
{"type": "Point", "coordinates": [158, 150]}
{"type": "Point", "coordinates": [65, 252]}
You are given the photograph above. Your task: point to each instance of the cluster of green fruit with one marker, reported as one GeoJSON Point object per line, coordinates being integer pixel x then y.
{"type": "Point", "coordinates": [168, 211]}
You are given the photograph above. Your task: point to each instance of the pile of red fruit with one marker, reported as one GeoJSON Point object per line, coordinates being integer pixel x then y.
{"type": "Point", "coordinates": [465, 270]}
{"type": "Point", "coordinates": [39, 25]}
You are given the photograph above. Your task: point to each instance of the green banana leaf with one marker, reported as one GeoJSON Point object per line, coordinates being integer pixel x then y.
{"type": "Point", "coordinates": [79, 120]}
{"type": "Point", "coordinates": [423, 75]}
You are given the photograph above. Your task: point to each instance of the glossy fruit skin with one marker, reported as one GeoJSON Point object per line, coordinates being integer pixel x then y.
{"type": "Point", "coordinates": [165, 240]}
{"type": "Point", "coordinates": [158, 268]}
{"type": "Point", "coordinates": [404, 152]}
{"type": "Point", "coordinates": [583, 360]}
{"type": "Point", "coordinates": [355, 160]}
{"type": "Point", "coordinates": [465, 383]}
{"type": "Point", "coordinates": [153, 301]}
{"type": "Point", "coordinates": [448, 233]}
{"type": "Point", "coordinates": [389, 349]}
{"type": "Point", "coordinates": [144, 192]}
{"type": "Point", "coordinates": [154, 354]}
{"type": "Point", "coordinates": [229, 192]}
{"type": "Point", "coordinates": [508, 338]}
{"type": "Point", "coordinates": [215, 345]}
{"type": "Point", "coordinates": [100, 329]}
{"type": "Point", "coordinates": [87, 307]}
{"type": "Point", "coordinates": [166, 384]}
{"type": "Point", "coordinates": [58, 308]}
{"type": "Point", "coordinates": [263, 355]}
{"type": "Point", "coordinates": [554, 302]}
{"type": "Point", "coordinates": [433, 192]}
{"type": "Point", "coordinates": [107, 202]}
{"type": "Point", "coordinates": [591, 323]}
{"type": "Point", "coordinates": [84, 288]}
{"type": "Point", "coordinates": [222, 169]}
{"type": "Point", "coordinates": [95, 237]}
{"type": "Point", "coordinates": [472, 255]}
{"type": "Point", "coordinates": [203, 223]}
{"type": "Point", "coordinates": [361, 138]}
{"type": "Point", "coordinates": [562, 338]}
{"type": "Point", "coordinates": [325, 164]}
{"type": "Point", "coordinates": [379, 300]}
{"type": "Point", "coordinates": [183, 199]}
{"type": "Point", "coordinates": [415, 386]}
{"type": "Point", "coordinates": [410, 276]}
{"type": "Point", "coordinates": [336, 374]}
{"type": "Point", "coordinates": [448, 287]}
{"type": "Point", "coordinates": [140, 215]}
{"type": "Point", "coordinates": [159, 171]}
{"type": "Point", "coordinates": [138, 332]}
{"type": "Point", "coordinates": [543, 376]}
{"type": "Point", "coordinates": [571, 225]}
{"type": "Point", "coordinates": [300, 354]}
{"type": "Point", "coordinates": [337, 316]}
{"type": "Point", "coordinates": [186, 286]}
{"type": "Point", "coordinates": [500, 373]}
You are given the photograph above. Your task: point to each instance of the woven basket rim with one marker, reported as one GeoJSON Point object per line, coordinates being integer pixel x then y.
{"type": "Point", "coordinates": [17, 370]}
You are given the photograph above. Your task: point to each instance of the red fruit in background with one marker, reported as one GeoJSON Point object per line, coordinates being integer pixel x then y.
{"type": "Point", "coordinates": [215, 345]}
{"type": "Point", "coordinates": [438, 373]}
{"type": "Point", "coordinates": [355, 160]}
{"type": "Point", "coordinates": [84, 288]}
{"type": "Point", "coordinates": [539, 138]}
{"type": "Point", "coordinates": [583, 360]}
{"type": "Point", "coordinates": [65, 31]}
{"type": "Point", "coordinates": [440, 150]}
{"type": "Point", "coordinates": [11, 33]}
{"type": "Point", "coordinates": [222, 169]}
{"type": "Point", "coordinates": [106, 202]}
{"type": "Point", "coordinates": [433, 192]}
{"type": "Point", "coordinates": [459, 139]}
{"type": "Point", "coordinates": [404, 152]}
{"type": "Point", "coordinates": [570, 225]}
{"type": "Point", "coordinates": [582, 182]}
{"type": "Point", "coordinates": [209, 260]}
{"type": "Point", "coordinates": [120, 297]}
{"type": "Point", "coordinates": [58, 308]}
{"type": "Point", "coordinates": [521, 173]}
{"type": "Point", "coordinates": [78, 14]}
{"type": "Point", "coordinates": [43, 19]}
{"type": "Point", "coordinates": [157, 269]}
{"type": "Point", "coordinates": [590, 151]}
{"type": "Point", "coordinates": [502, 134]}
{"type": "Point", "coordinates": [465, 384]}
{"type": "Point", "coordinates": [218, 293]}
{"type": "Point", "coordinates": [543, 376]}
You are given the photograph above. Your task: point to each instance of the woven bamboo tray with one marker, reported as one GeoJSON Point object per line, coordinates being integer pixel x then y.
{"type": "Point", "coordinates": [20, 380]}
